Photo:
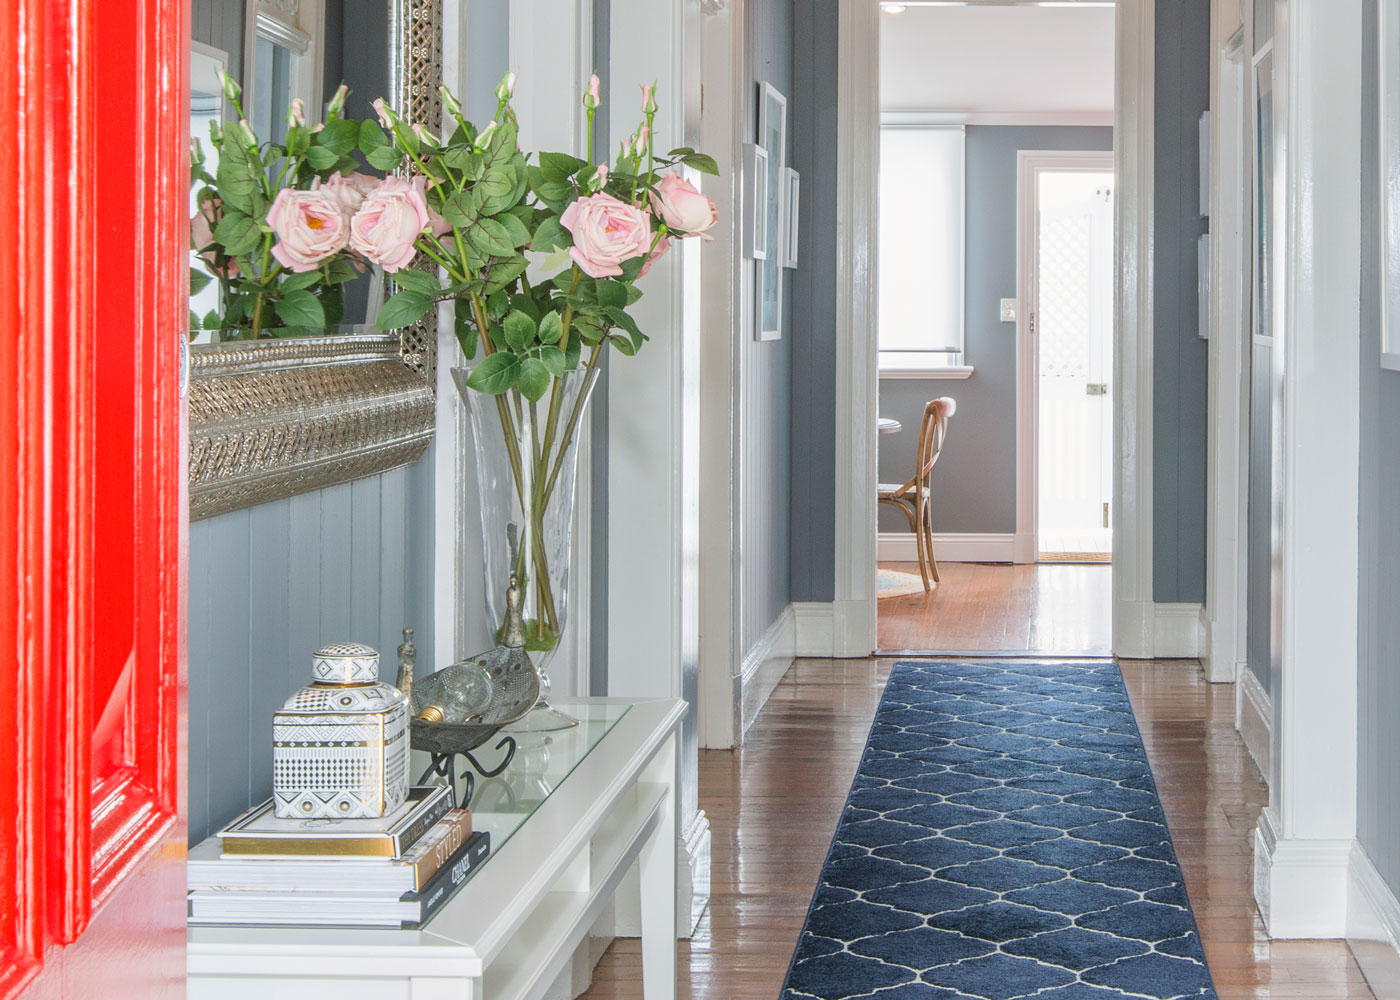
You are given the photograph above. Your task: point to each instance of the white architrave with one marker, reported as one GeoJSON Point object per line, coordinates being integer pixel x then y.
{"type": "Point", "coordinates": [724, 341]}
{"type": "Point", "coordinates": [654, 428]}
{"type": "Point", "coordinates": [1227, 503]}
{"type": "Point", "coordinates": [1304, 836]}
{"type": "Point", "coordinates": [1030, 164]}
{"type": "Point", "coordinates": [858, 117]}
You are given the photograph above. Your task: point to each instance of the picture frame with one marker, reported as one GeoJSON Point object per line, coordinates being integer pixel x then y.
{"type": "Point", "coordinates": [768, 288]}
{"type": "Point", "coordinates": [1388, 177]}
{"type": "Point", "coordinates": [1203, 170]}
{"type": "Point", "coordinates": [756, 190]}
{"type": "Point", "coordinates": [792, 183]}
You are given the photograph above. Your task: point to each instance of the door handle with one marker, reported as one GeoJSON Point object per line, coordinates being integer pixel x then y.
{"type": "Point", "coordinates": [1096, 389]}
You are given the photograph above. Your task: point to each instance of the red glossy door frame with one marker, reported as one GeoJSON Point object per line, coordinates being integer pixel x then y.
{"type": "Point", "coordinates": [93, 121]}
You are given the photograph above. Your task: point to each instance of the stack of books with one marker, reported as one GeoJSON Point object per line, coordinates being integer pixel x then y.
{"type": "Point", "coordinates": [391, 872]}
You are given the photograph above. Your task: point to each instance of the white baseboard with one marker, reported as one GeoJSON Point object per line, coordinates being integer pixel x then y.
{"type": "Point", "coordinates": [763, 667]}
{"type": "Point", "coordinates": [1301, 886]}
{"type": "Point", "coordinates": [1177, 631]}
{"type": "Point", "coordinates": [1373, 925]}
{"type": "Point", "coordinates": [1254, 718]}
{"type": "Point", "coordinates": [900, 546]}
{"type": "Point", "coordinates": [814, 628]}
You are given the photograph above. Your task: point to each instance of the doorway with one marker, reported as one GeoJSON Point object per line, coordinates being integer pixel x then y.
{"type": "Point", "coordinates": [1067, 256]}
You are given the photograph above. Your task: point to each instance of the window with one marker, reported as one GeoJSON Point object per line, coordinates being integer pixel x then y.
{"type": "Point", "coordinates": [921, 247]}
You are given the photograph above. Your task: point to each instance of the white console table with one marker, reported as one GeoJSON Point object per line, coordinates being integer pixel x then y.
{"type": "Point", "coordinates": [567, 822]}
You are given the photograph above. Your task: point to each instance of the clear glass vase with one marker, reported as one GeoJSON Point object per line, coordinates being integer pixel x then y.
{"type": "Point", "coordinates": [526, 458]}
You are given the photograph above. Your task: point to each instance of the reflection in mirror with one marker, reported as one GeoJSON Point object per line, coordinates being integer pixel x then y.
{"type": "Point", "coordinates": [206, 109]}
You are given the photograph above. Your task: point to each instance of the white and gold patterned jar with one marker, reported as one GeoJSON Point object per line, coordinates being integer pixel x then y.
{"type": "Point", "coordinates": [340, 745]}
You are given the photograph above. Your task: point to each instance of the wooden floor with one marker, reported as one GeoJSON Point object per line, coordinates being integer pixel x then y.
{"type": "Point", "coordinates": [1048, 607]}
{"type": "Point", "coordinates": [773, 806]}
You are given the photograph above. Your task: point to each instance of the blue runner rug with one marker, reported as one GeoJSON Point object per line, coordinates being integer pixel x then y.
{"type": "Point", "coordinates": [1003, 838]}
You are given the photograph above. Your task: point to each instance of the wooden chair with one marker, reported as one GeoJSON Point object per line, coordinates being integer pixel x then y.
{"type": "Point", "coordinates": [913, 496]}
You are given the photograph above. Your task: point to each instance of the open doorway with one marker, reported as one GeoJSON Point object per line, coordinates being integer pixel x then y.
{"type": "Point", "coordinates": [966, 94]}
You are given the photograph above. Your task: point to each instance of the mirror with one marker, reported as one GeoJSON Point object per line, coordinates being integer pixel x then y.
{"type": "Point", "coordinates": [271, 418]}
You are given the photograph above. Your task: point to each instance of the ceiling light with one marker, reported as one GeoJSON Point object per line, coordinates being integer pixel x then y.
{"type": "Point", "coordinates": [893, 8]}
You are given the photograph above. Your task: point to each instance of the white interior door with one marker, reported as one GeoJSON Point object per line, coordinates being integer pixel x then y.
{"type": "Point", "coordinates": [1074, 325]}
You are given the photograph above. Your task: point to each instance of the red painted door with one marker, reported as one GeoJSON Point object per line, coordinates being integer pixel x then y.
{"type": "Point", "coordinates": [92, 230]}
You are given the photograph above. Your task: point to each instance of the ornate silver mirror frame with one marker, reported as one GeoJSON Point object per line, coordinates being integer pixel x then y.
{"type": "Point", "coordinates": [272, 419]}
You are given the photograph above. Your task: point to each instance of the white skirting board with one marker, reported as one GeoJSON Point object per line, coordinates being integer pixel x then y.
{"type": "Point", "coordinates": [763, 667]}
{"type": "Point", "coordinates": [1373, 925]}
{"type": "Point", "coordinates": [1300, 884]}
{"type": "Point", "coordinates": [1177, 632]}
{"type": "Point", "coordinates": [899, 546]}
{"type": "Point", "coordinates": [1254, 718]}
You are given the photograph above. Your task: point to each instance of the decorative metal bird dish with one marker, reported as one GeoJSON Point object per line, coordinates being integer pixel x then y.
{"type": "Point", "coordinates": [461, 707]}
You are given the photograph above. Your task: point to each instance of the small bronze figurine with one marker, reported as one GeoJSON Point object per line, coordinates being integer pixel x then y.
{"type": "Point", "coordinates": [408, 656]}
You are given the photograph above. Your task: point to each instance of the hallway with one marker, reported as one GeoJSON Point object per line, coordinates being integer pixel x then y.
{"type": "Point", "coordinates": [774, 803]}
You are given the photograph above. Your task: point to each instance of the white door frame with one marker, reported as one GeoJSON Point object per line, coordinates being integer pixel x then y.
{"type": "Point", "coordinates": [858, 122]}
{"type": "Point", "coordinates": [1227, 435]}
{"type": "Point", "coordinates": [1030, 164]}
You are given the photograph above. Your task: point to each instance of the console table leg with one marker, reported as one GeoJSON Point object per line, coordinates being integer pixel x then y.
{"type": "Point", "coordinates": [657, 864]}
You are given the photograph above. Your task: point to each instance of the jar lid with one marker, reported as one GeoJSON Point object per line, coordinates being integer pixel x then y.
{"type": "Point", "coordinates": [346, 663]}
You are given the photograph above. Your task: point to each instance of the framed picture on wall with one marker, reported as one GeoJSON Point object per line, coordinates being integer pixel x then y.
{"type": "Point", "coordinates": [791, 187]}
{"type": "Point", "coordinates": [1389, 174]}
{"type": "Point", "coordinates": [768, 290]}
{"type": "Point", "coordinates": [755, 180]}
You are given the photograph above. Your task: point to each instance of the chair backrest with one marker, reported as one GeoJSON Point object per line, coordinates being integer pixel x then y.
{"type": "Point", "coordinates": [933, 431]}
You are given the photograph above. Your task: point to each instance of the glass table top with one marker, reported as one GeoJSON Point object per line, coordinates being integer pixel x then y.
{"type": "Point", "coordinates": [501, 805]}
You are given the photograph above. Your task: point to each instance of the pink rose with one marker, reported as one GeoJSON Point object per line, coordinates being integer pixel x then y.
{"type": "Point", "coordinates": [310, 226]}
{"type": "Point", "coordinates": [350, 189]}
{"type": "Point", "coordinates": [202, 234]}
{"type": "Point", "coordinates": [389, 221]}
{"type": "Point", "coordinates": [662, 245]}
{"type": "Point", "coordinates": [682, 207]}
{"type": "Point", "coordinates": [606, 232]}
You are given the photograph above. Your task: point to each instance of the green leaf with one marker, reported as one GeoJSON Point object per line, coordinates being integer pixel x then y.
{"type": "Point", "coordinates": [519, 330]}
{"type": "Point", "coordinates": [560, 166]}
{"type": "Point", "coordinates": [550, 236]}
{"type": "Point", "coordinates": [624, 345]}
{"type": "Point", "coordinates": [458, 157]}
{"type": "Point", "coordinates": [551, 328]}
{"type": "Point", "coordinates": [301, 308]}
{"type": "Point", "coordinates": [212, 320]}
{"type": "Point", "coordinates": [503, 143]}
{"type": "Point", "coordinates": [340, 270]}
{"type": "Point", "coordinates": [238, 234]}
{"type": "Point", "coordinates": [492, 239]}
{"type": "Point", "coordinates": [632, 268]}
{"type": "Point", "coordinates": [620, 318]}
{"type": "Point", "coordinates": [418, 281]}
{"type": "Point", "coordinates": [504, 273]}
{"type": "Point", "coordinates": [533, 380]}
{"type": "Point", "coordinates": [701, 162]}
{"type": "Point", "coordinates": [497, 304]}
{"type": "Point", "coordinates": [339, 136]}
{"type": "Point", "coordinates": [235, 177]}
{"type": "Point", "coordinates": [494, 190]}
{"type": "Point", "coordinates": [572, 350]}
{"type": "Point", "coordinates": [199, 281]}
{"type": "Point", "coordinates": [372, 136]}
{"type": "Point", "coordinates": [554, 359]}
{"type": "Point", "coordinates": [297, 281]}
{"type": "Point", "coordinates": [458, 210]}
{"type": "Point", "coordinates": [611, 294]}
{"type": "Point", "coordinates": [384, 158]}
{"type": "Point", "coordinates": [515, 230]}
{"type": "Point", "coordinates": [402, 309]}
{"type": "Point", "coordinates": [322, 158]}
{"type": "Point", "coordinates": [495, 373]}
{"type": "Point", "coordinates": [195, 323]}
{"type": "Point", "coordinates": [466, 332]}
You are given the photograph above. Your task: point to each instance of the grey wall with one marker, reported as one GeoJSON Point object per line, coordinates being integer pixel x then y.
{"type": "Point", "coordinates": [220, 23]}
{"type": "Point", "coordinates": [975, 484]}
{"type": "Point", "coordinates": [268, 586]}
{"type": "Point", "coordinates": [812, 460]}
{"type": "Point", "coordinates": [767, 440]}
{"type": "Point", "coordinates": [1178, 354]}
{"type": "Point", "coordinates": [1378, 687]}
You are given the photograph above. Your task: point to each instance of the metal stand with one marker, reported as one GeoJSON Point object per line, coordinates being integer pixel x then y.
{"type": "Point", "coordinates": [444, 765]}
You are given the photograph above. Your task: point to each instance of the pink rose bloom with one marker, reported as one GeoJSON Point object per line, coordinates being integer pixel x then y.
{"type": "Point", "coordinates": [390, 219]}
{"type": "Point", "coordinates": [350, 189]}
{"type": "Point", "coordinates": [310, 226]}
{"type": "Point", "coordinates": [202, 234]}
{"type": "Point", "coordinates": [606, 232]}
{"type": "Point", "coordinates": [662, 245]}
{"type": "Point", "coordinates": [682, 207]}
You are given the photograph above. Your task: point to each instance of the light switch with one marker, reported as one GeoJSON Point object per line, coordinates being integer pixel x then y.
{"type": "Point", "coordinates": [1008, 310]}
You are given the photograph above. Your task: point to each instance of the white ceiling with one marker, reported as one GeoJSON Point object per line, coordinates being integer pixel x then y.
{"type": "Point", "coordinates": [997, 59]}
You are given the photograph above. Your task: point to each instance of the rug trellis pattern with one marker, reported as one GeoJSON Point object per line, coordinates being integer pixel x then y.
{"type": "Point", "coordinates": [1003, 839]}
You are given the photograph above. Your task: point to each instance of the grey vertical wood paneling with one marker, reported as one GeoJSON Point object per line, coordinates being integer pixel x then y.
{"type": "Point", "coordinates": [267, 587]}
{"type": "Point", "coordinates": [220, 23]}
